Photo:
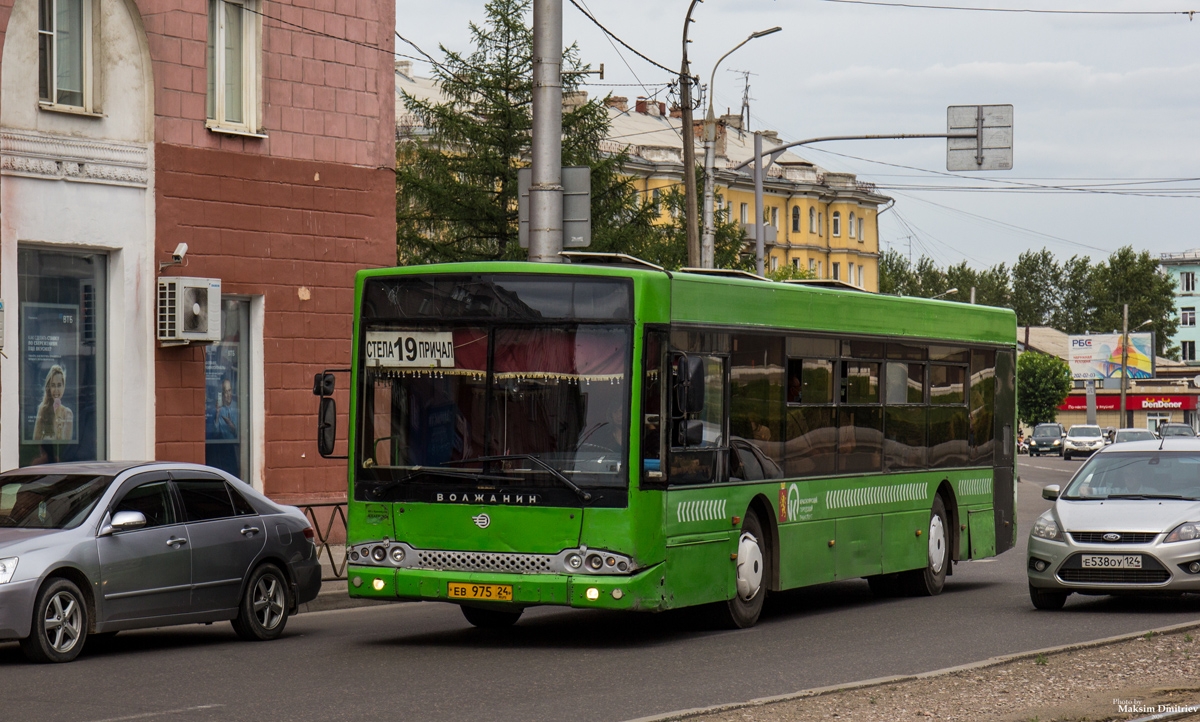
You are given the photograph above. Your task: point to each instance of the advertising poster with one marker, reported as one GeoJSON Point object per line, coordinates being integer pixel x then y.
{"type": "Point", "coordinates": [49, 373]}
{"type": "Point", "coordinates": [1098, 356]}
{"type": "Point", "coordinates": [221, 419]}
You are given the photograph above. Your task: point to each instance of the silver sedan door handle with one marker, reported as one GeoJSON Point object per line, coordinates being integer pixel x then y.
{"type": "Point", "coordinates": [176, 540]}
{"type": "Point", "coordinates": [248, 530]}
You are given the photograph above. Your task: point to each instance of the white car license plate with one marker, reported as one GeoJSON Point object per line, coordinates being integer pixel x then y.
{"type": "Point", "coordinates": [1112, 561]}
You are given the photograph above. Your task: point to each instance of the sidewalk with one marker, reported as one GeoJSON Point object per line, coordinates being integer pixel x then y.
{"type": "Point", "coordinates": [1130, 677]}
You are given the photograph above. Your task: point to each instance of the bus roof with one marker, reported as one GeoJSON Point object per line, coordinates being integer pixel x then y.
{"type": "Point", "coordinates": [703, 299]}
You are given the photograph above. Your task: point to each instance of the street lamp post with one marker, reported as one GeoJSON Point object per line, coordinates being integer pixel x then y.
{"type": "Point", "coordinates": [708, 241]}
{"type": "Point", "coordinates": [688, 136]}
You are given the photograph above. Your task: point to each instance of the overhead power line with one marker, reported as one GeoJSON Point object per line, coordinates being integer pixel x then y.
{"type": "Point", "coordinates": [1039, 11]}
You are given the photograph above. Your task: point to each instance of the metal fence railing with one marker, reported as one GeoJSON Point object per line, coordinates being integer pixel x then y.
{"type": "Point", "coordinates": [331, 539]}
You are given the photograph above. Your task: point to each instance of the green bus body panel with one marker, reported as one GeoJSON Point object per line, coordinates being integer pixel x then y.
{"type": "Point", "coordinates": [903, 548]}
{"type": "Point", "coordinates": [536, 530]}
{"type": "Point", "coordinates": [705, 300]}
{"type": "Point", "coordinates": [684, 539]}
{"type": "Point", "coordinates": [982, 526]}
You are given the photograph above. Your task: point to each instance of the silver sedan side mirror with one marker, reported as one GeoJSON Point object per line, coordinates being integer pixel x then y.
{"type": "Point", "coordinates": [128, 520]}
{"type": "Point", "coordinates": [1050, 491]}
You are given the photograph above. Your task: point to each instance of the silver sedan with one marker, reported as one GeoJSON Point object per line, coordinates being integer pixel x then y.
{"type": "Point", "coordinates": [94, 548]}
{"type": "Point", "coordinates": [1128, 522]}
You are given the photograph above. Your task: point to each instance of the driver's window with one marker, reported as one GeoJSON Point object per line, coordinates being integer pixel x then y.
{"type": "Point", "coordinates": [153, 500]}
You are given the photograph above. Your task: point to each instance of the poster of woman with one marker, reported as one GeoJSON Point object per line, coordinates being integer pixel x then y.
{"type": "Point", "coordinates": [49, 383]}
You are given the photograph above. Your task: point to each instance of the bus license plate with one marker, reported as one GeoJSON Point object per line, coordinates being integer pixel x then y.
{"type": "Point", "coordinates": [497, 592]}
{"type": "Point", "coordinates": [1111, 561]}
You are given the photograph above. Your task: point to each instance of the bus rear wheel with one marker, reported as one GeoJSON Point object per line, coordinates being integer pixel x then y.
{"type": "Point", "coordinates": [750, 582]}
{"type": "Point", "coordinates": [490, 618]}
{"type": "Point", "coordinates": [930, 581]}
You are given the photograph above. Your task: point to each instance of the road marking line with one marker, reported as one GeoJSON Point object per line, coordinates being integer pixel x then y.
{"type": "Point", "coordinates": [147, 715]}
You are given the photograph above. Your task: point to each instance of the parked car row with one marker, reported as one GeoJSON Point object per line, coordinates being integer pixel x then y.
{"type": "Point", "coordinates": [95, 548]}
{"type": "Point", "coordinates": [1085, 439]}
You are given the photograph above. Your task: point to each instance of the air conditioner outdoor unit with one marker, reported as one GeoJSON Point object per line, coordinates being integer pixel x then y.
{"type": "Point", "coordinates": [189, 310]}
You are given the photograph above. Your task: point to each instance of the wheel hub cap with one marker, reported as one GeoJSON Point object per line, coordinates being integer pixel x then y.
{"type": "Point", "coordinates": [749, 566]}
{"type": "Point", "coordinates": [937, 544]}
{"type": "Point", "coordinates": [63, 622]}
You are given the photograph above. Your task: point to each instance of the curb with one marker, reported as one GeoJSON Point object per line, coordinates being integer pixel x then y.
{"type": "Point", "coordinates": [879, 681]}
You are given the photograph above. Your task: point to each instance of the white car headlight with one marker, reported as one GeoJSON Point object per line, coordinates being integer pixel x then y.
{"type": "Point", "coordinates": [8, 567]}
{"type": "Point", "coordinates": [1046, 528]}
{"type": "Point", "coordinates": [1056, 442]}
{"type": "Point", "coordinates": [1187, 531]}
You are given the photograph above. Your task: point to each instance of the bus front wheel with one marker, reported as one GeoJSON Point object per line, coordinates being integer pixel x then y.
{"type": "Point", "coordinates": [929, 581]}
{"type": "Point", "coordinates": [490, 618]}
{"type": "Point", "coordinates": [750, 582]}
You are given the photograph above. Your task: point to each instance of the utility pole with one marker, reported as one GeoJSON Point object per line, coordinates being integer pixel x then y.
{"type": "Point", "coordinates": [1124, 359]}
{"type": "Point", "coordinates": [691, 218]}
{"type": "Point", "coordinates": [546, 191]}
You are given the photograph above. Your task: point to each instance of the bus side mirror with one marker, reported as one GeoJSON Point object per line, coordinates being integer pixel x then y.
{"type": "Point", "coordinates": [689, 385]}
{"type": "Point", "coordinates": [323, 384]}
{"type": "Point", "coordinates": [326, 425]}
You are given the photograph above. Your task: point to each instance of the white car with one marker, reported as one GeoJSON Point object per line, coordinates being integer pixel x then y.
{"type": "Point", "coordinates": [1083, 440]}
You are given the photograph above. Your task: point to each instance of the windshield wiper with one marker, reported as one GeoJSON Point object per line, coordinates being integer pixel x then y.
{"type": "Point", "coordinates": [558, 475]}
{"type": "Point", "coordinates": [1150, 496]}
{"type": "Point", "coordinates": [419, 471]}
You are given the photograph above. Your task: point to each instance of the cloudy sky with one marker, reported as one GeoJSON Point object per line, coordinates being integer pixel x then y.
{"type": "Point", "coordinates": [1105, 104]}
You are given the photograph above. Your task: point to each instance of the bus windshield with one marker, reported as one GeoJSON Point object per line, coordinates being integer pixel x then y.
{"type": "Point", "coordinates": [489, 402]}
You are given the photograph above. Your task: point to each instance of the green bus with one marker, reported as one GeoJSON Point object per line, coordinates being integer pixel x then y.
{"type": "Point", "coordinates": [602, 433]}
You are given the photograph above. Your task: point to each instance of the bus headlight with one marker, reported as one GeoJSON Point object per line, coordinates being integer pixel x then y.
{"type": "Point", "coordinates": [595, 562]}
{"type": "Point", "coordinates": [574, 561]}
{"type": "Point", "coordinates": [378, 554]}
{"type": "Point", "coordinates": [397, 555]}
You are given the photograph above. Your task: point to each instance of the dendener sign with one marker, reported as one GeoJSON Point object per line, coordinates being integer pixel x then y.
{"type": "Point", "coordinates": [1139, 402]}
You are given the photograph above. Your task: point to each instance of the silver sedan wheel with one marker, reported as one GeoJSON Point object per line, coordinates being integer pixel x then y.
{"type": "Point", "coordinates": [937, 544]}
{"type": "Point", "coordinates": [64, 622]}
{"type": "Point", "coordinates": [269, 601]}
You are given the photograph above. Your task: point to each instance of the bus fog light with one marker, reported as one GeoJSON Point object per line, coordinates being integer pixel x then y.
{"type": "Point", "coordinates": [595, 562]}
{"type": "Point", "coordinates": [397, 555]}
{"type": "Point", "coordinates": [378, 584]}
{"type": "Point", "coordinates": [617, 594]}
{"type": "Point", "coordinates": [574, 561]}
{"type": "Point", "coordinates": [378, 554]}
{"type": "Point", "coordinates": [623, 566]}
{"type": "Point", "coordinates": [593, 593]}
{"type": "Point", "coordinates": [353, 556]}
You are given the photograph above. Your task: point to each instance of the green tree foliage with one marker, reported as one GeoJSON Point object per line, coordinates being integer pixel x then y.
{"type": "Point", "coordinates": [1075, 312]}
{"type": "Point", "coordinates": [1128, 277]}
{"type": "Point", "coordinates": [666, 244]}
{"type": "Point", "coordinates": [1043, 383]}
{"type": "Point", "coordinates": [456, 185]}
{"type": "Point", "coordinates": [1035, 283]}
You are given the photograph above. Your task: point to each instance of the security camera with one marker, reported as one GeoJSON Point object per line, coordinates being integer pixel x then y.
{"type": "Point", "coordinates": [180, 252]}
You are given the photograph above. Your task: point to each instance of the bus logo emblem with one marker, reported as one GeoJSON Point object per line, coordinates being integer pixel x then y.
{"type": "Point", "coordinates": [482, 521]}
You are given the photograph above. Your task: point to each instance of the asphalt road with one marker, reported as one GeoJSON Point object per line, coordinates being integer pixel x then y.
{"type": "Point", "coordinates": [423, 662]}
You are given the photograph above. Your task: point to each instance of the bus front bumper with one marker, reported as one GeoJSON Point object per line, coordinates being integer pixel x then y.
{"type": "Point", "coordinates": [642, 591]}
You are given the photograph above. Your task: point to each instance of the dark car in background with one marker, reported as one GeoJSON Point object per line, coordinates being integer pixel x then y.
{"type": "Point", "coordinates": [1170, 429]}
{"type": "Point", "coordinates": [91, 548]}
{"type": "Point", "coordinates": [1046, 439]}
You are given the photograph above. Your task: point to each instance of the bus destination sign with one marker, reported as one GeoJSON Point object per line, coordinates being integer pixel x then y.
{"type": "Point", "coordinates": [410, 349]}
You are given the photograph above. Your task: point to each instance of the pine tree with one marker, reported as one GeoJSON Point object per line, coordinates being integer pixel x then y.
{"type": "Point", "coordinates": [456, 184]}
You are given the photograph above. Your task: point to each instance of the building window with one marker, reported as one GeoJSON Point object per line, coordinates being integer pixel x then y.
{"type": "Point", "coordinates": [836, 223]}
{"type": "Point", "coordinates": [656, 200]}
{"type": "Point", "coordinates": [861, 279]}
{"type": "Point", "coordinates": [812, 266]}
{"type": "Point", "coordinates": [62, 356]}
{"type": "Point", "coordinates": [775, 217]}
{"type": "Point", "coordinates": [1188, 350]}
{"type": "Point", "coordinates": [820, 224]}
{"type": "Point", "coordinates": [745, 217]}
{"type": "Point", "coordinates": [862, 233]}
{"type": "Point", "coordinates": [796, 263]}
{"type": "Point", "coordinates": [819, 269]}
{"type": "Point", "coordinates": [65, 52]}
{"type": "Point", "coordinates": [1187, 316]}
{"type": "Point", "coordinates": [836, 268]}
{"type": "Point", "coordinates": [774, 263]}
{"type": "Point", "coordinates": [795, 219]}
{"type": "Point", "coordinates": [851, 227]}
{"type": "Point", "coordinates": [812, 220]}
{"type": "Point", "coordinates": [232, 76]}
{"type": "Point", "coordinates": [227, 392]}
{"type": "Point", "coordinates": [853, 281]}
{"type": "Point", "coordinates": [1187, 282]}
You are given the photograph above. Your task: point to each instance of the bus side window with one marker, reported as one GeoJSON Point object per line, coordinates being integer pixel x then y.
{"type": "Point", "coordinates": [697, 418]}
{"type": "Point", "coordinates": [652, 389]}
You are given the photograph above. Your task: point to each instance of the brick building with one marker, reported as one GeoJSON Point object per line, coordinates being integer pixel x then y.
{"type": "Point", "coordinates": [260, 135]}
